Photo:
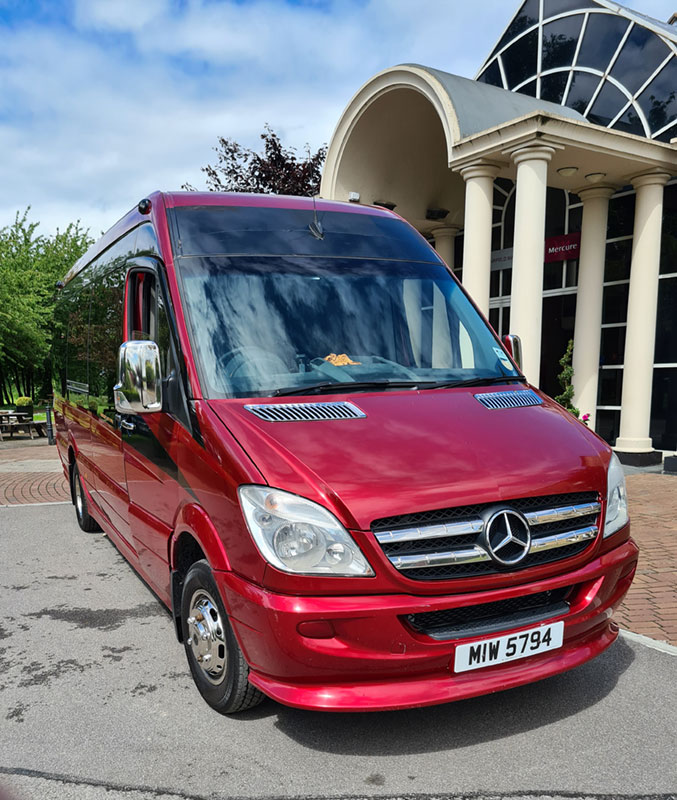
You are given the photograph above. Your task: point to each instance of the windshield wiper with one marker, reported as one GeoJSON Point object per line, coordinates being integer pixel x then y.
{"type": "Point", "coordinates": [347, 386]}
{"type": "Point", "coordinates": [473, 382]}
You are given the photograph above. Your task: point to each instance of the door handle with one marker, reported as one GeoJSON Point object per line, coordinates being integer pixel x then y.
{"type": "Point", "coordinates": [127, 425]}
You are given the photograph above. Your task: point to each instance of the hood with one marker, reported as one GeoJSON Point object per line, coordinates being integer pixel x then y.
{"type": "Point", "coordinates": [418, 451]}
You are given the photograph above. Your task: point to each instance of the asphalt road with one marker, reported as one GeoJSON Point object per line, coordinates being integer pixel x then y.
{"type": "Point", "coordinates": [96, 702]}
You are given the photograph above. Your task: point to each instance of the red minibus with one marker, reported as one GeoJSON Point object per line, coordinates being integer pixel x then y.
{"type": "Point", "coordinates": [295, 425]}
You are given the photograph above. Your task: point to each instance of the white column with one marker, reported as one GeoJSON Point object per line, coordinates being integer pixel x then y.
{"type": "Point", "coordinates": [587, 331]}
{"type": "Point", "coordinates": [642, 303]}
{"type": "Point", "coordinates": [479, 202]}
{"type": "Point", "coordinates": [526, 304]}
{"type": "Point", "coordinates": [445, 238]}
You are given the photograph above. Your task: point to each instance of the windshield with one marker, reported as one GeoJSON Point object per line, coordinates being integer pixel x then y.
{"type": "Point", "coordinates": [261, 325]}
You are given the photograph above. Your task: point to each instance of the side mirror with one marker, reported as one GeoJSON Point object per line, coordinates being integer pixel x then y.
{"type": "Point", "coordinates": [139, 388]}
{"type": "Point", "coordinates": [513, 344]}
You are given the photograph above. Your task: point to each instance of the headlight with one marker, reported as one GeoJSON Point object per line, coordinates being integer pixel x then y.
{"type": "Point", "coordinates": [299, 536]}
{"type": "Point", "coordinates": [616, 499]}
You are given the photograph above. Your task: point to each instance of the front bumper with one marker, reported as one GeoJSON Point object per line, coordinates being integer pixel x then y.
{"type": "Point", "coordinates": [375, 661]}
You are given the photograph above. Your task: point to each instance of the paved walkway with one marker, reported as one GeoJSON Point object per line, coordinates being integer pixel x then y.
{"type": "Point", "coordinates": [30, 472]}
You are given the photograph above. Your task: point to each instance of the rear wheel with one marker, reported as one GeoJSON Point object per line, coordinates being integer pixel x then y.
{"type": "Point", "coordinates": [85, 521]}
{"type": "Point", "coordinates": [216, 662]}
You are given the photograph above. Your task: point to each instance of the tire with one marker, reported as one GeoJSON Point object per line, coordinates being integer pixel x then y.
{"type": "Point", "coordinates": [85, 521]}
{"type": "Point", "coordinates": [216, 662]}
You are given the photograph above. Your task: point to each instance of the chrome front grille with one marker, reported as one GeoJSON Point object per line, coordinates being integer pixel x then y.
{"type": "Point", "coordinates": [447, 543]}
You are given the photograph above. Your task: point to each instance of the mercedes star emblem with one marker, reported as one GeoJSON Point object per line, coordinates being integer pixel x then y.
{"type": "Point", "coordinates": [507, 537]}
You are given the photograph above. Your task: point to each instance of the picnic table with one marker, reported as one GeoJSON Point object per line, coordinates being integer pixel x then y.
{"type": "Point", "coordinates": [11, 421]}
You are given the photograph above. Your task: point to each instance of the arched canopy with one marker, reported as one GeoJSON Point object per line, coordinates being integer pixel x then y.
{"type": "Point", "coordinates": [395, 141]}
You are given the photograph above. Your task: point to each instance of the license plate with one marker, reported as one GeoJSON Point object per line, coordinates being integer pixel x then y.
{"type": "Point", "coordinates": [510, 647]}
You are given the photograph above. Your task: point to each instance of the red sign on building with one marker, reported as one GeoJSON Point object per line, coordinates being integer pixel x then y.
{"type": "Point", "coordinates": [561, 248]}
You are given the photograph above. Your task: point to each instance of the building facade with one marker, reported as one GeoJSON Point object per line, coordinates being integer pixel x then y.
{"type": "Point", "coordinates": [548, 185]}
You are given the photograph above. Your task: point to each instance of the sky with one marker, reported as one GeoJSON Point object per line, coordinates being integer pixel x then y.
{"type": "Point", "coordinates": [105, 101]}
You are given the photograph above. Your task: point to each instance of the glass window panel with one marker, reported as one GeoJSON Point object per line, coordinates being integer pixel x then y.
{"type": "Point", "coordinates": [609, 102]}
{"type": "Point", "coordinates": [496, 238]}
{"type": "Point", "coordinates": [603, 34]}
{"type": "Point", "coordinates": [609, 387]}
{"type": "Point", "coordinates": [582, 89]}
{"type": "Point", "coordinates": [613, 346]}
{"type": "Point", "coordinates": [618, 259]}
{"type": "Point", "coordinates": [552, 275]}
{"type": "Point", "coordinates": [575, 219]}
{"type": "Point", "coordinates": [492, 75]}
{"type": "Point", "coordinates": [529, 89]}
{"type": "Point", "coordinates": [658, 101]}
{"type": "Point", "coordinates": [663, 426]}
{"type": "Point", "coordinates": [559, 42]}
{"type": "Point", "coordinates": [608, 425]}
{"type": "Point", "coordinates": [495, 284]}
{"type": "Point", "coordinates": [669, 241]}
{"type": "Point", "coordinates": [571, 278]}
{"type": "Point", "coordinates": [497, 216]}
{"type": "Point", "coordinates": [499, 198]}
{"type": "Point", "coordinates": [77, 294]}
{"type": "Point", "coordinates": [520, 60]}
{"type": "Point", "coordinates": [553, 7]}
{"type": "Point", "coordinates": [615, 303]}
{"type": "Point", "coordinates": [507, 282]}
{"type": "Point", "coordinates": [667, 135]}
{"type": "Point", "coordinates": [641, 55]}
{"type": "Point", "coordinates": [553, 86]}
{"type": "Point", "coordinates": [505, 184]}
{"type": "Point", "coordinates": [494, 316]}
{"type": "Point", "coordinates": [458, 255]}
{"type": "Point", "coordinates": [666, 326]}
{"type": "Point", "coordinates": [506, 321]}
{"type": "Point", "coordinates": [509, 222]}
{"type": "Point", "coordinates": [555, 209]}
{"type": "Point", "coordinates": [621, 216]}
{"type": "Point", "coordinates": [524, 19]}
{"type": "Point", "coordinates": [630, 123]}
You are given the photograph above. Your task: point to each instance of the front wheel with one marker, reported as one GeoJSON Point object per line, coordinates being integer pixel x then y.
{"type": "Point", "coordinates": [216, 662]}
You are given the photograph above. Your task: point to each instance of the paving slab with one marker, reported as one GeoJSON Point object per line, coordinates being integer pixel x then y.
{"type": "Point", "coordinates": [96, 702]}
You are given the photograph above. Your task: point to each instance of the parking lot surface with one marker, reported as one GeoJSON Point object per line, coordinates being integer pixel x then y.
{"type": "Point", "coordinates": [96, 701]}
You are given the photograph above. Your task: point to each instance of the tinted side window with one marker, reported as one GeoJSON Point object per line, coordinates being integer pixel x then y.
{"type": "Point", "coordinates": [105, 338]}
{"type": "Point", "coordinates": [146, 241]}
{"type": "Point", "coordinates": [60, 345]}
{"type": "Point", "coordinates": [76, 299]}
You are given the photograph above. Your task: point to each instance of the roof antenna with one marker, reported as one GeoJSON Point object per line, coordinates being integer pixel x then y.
{"type": "Point", "coordinates": [315, 226]}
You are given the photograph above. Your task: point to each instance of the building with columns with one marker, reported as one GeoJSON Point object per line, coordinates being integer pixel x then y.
{"type": "Point", "coordinates": [548, 185]}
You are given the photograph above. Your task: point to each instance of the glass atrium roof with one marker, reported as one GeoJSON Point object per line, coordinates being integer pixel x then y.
{"type": "Point", "coordinates": [616, 67]}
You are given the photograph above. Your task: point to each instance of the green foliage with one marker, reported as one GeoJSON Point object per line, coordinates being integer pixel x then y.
{"type": "Point", "coordinates": [23, 402]}
{"type": "Point", "coordinates": [277, 170]}
{"type": "Point", "coordinates": [565, 379]}
{"type": "Point", "coordinates": [30, 265]}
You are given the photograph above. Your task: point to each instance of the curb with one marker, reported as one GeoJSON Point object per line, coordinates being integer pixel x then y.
{"type": "Point", "coordinates": [654, 644]}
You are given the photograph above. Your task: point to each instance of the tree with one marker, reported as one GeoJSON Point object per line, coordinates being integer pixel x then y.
{"type": "Point", "coordinates": [565, 379]}
{"type": "Point", "coordinates": [278, 170]}
{"type": "Point", "coordinates": [30, 265]}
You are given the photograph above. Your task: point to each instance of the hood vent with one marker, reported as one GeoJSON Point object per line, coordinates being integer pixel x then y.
{"type": "Point", "coordinates": [305, 412]}
{"type": "Point", "coordinates": [519, 399]}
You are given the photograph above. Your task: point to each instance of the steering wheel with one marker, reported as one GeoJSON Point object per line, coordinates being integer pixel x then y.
{"type": "Point", "coordinates": [235, 360]}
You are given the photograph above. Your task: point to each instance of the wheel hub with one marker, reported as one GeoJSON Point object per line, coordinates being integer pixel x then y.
{"type": "Point", "coordinates": [206, 636]}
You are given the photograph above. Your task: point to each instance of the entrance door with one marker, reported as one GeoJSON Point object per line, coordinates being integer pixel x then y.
{"type": "Point", "coordinates": [559, 314]}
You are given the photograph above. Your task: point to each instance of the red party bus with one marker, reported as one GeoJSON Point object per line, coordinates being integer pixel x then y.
{"type": "Point", "coordinates": [295, 425]}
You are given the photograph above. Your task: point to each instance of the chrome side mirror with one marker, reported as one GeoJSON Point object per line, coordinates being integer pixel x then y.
{"type": "Point", "coordinates": [513, 344]}
{"type": "Point", "coordinates": [139, 387]}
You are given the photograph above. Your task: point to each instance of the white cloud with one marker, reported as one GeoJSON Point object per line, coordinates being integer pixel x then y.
{"type": "Point", "coordinates": [123, 97]}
